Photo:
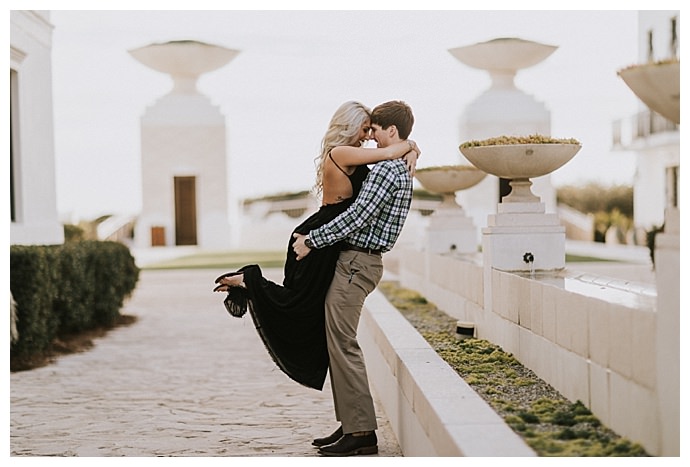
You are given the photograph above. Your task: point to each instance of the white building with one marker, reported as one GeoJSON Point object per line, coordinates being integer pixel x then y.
{"type": "Point", "coordinates": [654, 139]}
{"type": "Point", "coordinates": [183, 152]}
{"type": "Point", "coordinates": [33, 206]}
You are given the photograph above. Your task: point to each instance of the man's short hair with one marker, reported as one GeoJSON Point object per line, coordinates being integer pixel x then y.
{"type": "Point", "coordinates": [396, 113]}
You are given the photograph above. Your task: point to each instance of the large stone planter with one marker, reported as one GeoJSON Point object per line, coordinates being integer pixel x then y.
{"type": "Point", "coordinates": [450, 230]}
{"type": "Point", "coordinates": [519, 163]}
{"type": "Point", "coordinates": [447, 180]}
{"type": "Point", "coordinates": [657, 85]}
{"type": "Point", "coordinates": [521, 236]}
{"type": "Point", "coordinates": [503, 56]}
{"type": "Point", "coordinates": [184, 61]}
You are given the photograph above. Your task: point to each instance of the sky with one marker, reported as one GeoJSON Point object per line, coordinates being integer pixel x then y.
{"type": "Point", "coordinates": [294, 68]}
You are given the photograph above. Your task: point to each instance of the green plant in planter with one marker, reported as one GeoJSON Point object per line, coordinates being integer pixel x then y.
{"type": "Point", "coordinates": [507, 140]}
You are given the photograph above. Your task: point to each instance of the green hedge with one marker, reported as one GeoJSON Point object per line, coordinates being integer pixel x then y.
{"type": "Point", "coordinates": [67, 288]}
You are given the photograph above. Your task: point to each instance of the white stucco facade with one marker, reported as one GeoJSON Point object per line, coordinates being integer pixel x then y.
{"type": "Point", "coordinates": [184, 144]}
{"type": "Point", "coordinates": [33, 206]}
{"type": "Point", "coordinates": [654, 140]}
{"type": "Point", "coordinates": [183, 153]}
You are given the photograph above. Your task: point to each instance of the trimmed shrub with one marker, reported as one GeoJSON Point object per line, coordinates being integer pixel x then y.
{"type": "Point", "coordinates": [67, 288]}
{"type": "Point", "coordinates": [114, 275]}
{"type": "Point", "coordinates": [31, 283]}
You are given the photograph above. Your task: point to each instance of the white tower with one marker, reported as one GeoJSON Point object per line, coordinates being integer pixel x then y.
{"type": "Point", "coordinates": [503, 109]}
{"type": "Point", "coordinates": [183, 152]}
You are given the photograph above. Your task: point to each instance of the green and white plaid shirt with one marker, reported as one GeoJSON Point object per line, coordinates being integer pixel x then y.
{"type": "Point", "coordinates": [376, 217]}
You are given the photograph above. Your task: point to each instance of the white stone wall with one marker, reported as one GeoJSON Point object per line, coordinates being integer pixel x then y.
{"type": "Point", "coordinates": [184, 136]}
{"type": "Point", "coordinates": [432, 411]}
{"type": "Point", "coordinates": [650, 181]}
{"type": "Point", "coordinates": [592, 338]}
{"type": "Point", "coordinates": [32, 127]}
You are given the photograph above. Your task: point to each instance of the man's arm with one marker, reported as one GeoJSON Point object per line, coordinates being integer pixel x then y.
{"type": "Point", "coordinates": [377, 189]}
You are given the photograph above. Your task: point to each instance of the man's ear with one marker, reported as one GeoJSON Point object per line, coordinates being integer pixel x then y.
{"type": "Point", "coordinates": [392, 131]}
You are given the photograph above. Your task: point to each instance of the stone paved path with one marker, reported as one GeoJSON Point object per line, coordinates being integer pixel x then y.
{"type": "Point", "coordinates": [186, 380]}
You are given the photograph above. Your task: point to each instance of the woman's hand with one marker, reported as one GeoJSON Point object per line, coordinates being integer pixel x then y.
{"type": "Point", "coordinates": [411, 157]}
{"type": "Point", "coordinates": [414, 147]}
{"type": "Point", "coordinates": [411, 161]}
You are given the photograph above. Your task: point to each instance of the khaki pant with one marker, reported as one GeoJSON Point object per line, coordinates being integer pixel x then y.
{"type": "Point", "coordinates": [356, 276]}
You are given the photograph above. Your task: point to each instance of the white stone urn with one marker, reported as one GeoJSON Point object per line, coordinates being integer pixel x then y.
{"type": "Point", "coordinates": [519, 163]}
{"type": "Point", "coordinates": [657, 85]}
{"type": "Point", "coordinates": [184, 60]}
{"type": "Point", "coordinates": [447, 180]}
{"type": "Point", "coordinates": [503, 57]}
{"type": "Point", "coordinates": [450, 230]}
{"type": "Point", "coordinates": [521, 236]}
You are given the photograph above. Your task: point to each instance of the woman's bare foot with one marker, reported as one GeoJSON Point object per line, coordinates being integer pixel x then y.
{"type": "Point", "coordinates": [233, 281]}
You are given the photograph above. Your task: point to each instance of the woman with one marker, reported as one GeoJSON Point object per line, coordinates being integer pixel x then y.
{"type": "Point", "coordinates": [290, 318]}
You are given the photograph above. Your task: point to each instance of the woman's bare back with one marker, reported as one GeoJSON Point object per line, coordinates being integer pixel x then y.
{"type": "Point", "coordinates": [336, 182]}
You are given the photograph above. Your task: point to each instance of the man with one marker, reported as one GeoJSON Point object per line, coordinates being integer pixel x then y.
{"type": "Point", "coordinates": [369, 227]}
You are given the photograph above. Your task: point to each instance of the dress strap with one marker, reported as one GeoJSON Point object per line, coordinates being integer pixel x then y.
{"type": "Point", "coordinates": [336, 164]}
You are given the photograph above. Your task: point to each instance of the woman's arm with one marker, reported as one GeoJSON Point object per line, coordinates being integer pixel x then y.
{"type": "Point", "coordinates": [351, 156]}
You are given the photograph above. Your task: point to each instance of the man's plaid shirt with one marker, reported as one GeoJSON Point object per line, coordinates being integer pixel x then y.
{"type": "Point", "coordinates": [376, 217]}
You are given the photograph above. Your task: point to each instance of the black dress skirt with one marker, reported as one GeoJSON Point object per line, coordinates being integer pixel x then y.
{"type": "Point", "coordinates": [290, 318]}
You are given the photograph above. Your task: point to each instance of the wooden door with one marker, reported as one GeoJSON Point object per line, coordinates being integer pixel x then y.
{"type": "Point", "coordinates": [185, 211]}
{"type": "Point", "coordinates": [157, 235]}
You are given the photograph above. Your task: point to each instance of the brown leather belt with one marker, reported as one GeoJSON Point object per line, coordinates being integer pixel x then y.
{"type": "Point", "coordinates": [368, 251]}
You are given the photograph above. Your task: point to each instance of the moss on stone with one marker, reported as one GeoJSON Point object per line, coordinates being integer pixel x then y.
{"type": "Point", "coordinates": [548, 422]}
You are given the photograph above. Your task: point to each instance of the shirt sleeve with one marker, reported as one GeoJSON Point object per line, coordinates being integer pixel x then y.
{"type": "Point", "coordinates": [378, 187]}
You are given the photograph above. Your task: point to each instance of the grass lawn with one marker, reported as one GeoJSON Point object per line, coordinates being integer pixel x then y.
{"type": "Point", "coordinates": [224, 260]}
{"type": "Point", "coordinates": [268, 259]}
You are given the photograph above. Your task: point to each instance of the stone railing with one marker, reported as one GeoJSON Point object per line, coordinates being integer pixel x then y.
{"type": "Point", "coordinates": [639, 126]}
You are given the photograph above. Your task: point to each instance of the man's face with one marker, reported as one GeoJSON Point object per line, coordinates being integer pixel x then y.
{"type": "Point", "coordinates": [381, 136]}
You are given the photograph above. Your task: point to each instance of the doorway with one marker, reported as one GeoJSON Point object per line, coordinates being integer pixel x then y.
{"type": "Point", "coordinates": [185, 211]}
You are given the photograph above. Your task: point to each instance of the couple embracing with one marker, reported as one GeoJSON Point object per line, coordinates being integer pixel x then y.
{"type": "Point", "coordinates": [334, 261]}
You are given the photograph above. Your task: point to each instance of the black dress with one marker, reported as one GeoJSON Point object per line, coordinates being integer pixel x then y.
{"type": "Point", "coordinates": [290, 317]}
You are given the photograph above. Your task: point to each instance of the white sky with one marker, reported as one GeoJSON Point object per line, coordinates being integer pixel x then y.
{"type": "Point", "coordinates": [296, 67]}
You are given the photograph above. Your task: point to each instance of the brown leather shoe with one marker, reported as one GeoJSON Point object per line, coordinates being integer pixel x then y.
{"type": "Point", "coordinates": [350, 445]}
{"type": "Point", "coordinates": [330, 439]}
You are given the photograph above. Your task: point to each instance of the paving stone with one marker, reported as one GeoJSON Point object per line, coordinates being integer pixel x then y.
{"type": "Point", "coordinates": [186, 380]}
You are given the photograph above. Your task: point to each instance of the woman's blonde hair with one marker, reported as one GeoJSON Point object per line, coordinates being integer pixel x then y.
{"type": "Point", "coordinates": [343, 130]}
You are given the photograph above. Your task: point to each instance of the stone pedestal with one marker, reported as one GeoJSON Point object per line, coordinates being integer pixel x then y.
{"type": "Point", "coordinates": [450, 230]}
{"type": "Point", "coordinates": [667, 264]}
{"type": "Point", "coordinates": [522, 237]}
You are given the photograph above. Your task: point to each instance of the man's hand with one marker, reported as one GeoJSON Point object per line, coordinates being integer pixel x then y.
{"type": "Point", "coordinates": [300, 249]}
